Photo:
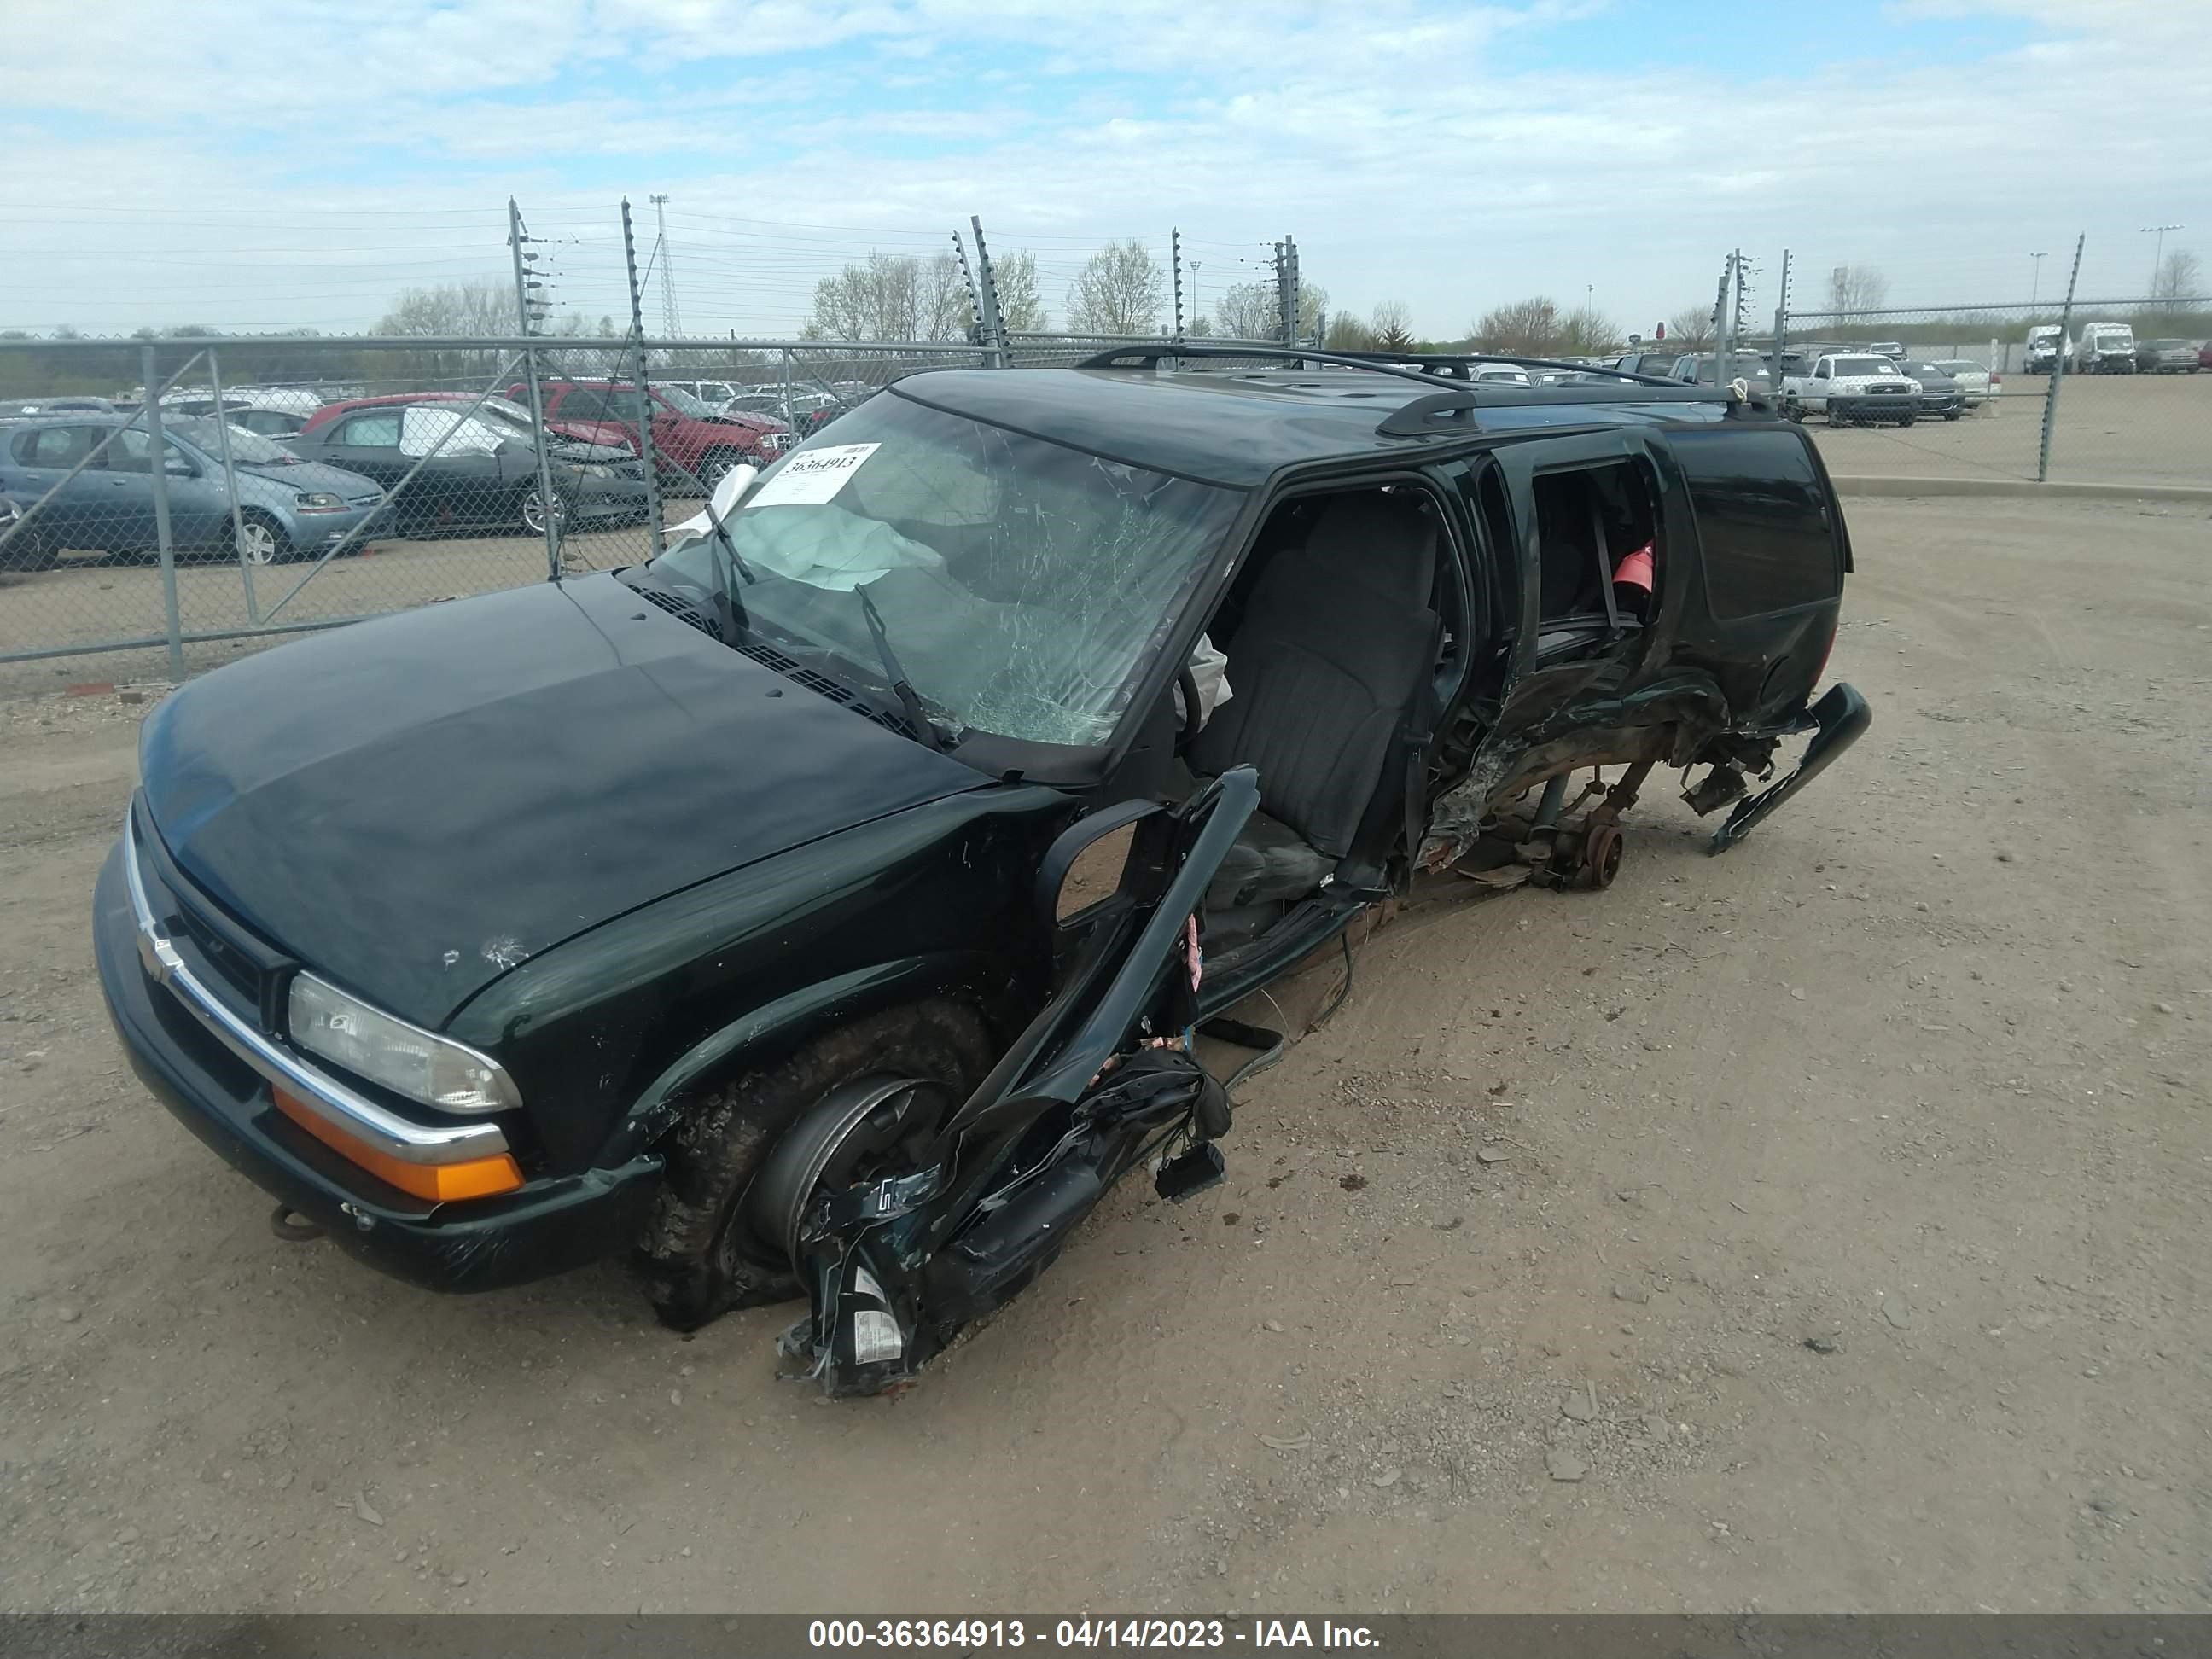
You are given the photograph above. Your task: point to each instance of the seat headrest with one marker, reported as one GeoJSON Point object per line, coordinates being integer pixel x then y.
{"type": "Point", "coordinates": [1383, 543]}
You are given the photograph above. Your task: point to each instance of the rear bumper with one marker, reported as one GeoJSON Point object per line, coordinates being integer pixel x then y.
{"type": "Point", "coordinates": [547, 1227]}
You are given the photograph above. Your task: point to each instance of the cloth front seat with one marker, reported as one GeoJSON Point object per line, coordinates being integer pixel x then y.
{"type": "Point", "coordinates": [1336, 639]}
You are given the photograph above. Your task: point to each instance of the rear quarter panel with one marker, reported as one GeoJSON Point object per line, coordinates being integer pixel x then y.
{"type": "Point", "coordinates": [1767, 591]}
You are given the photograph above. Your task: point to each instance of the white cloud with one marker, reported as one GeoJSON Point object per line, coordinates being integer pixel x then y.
{"type": "Point", "coordinates": [1408, 161]}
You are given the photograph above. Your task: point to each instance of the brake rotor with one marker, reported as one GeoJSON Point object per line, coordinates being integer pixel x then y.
{"type": "Point", "coordinates": [1600, 857]}
{"type": "Point", "coordinates": [862, 1131]}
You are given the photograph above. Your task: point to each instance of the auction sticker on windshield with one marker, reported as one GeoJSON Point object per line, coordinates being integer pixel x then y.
{"type": "Point", "coordinates": [812, 476]}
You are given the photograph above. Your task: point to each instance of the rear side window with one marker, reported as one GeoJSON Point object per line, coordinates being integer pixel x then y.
{"type": "Point", "coordinates": [1763, 519]}
{"type": "Point", "coordinates": [54, 446]}
{"type": "Point", "coordinates": [376, 431]}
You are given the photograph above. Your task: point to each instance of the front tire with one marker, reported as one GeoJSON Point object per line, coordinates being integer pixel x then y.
{"type": "Point", "coordinates": [30, 550]}
{"type": "Point", "coordinates": [530, 510]}
{"type": "Point", "coordinates": [698, 1260]}
{"type": "Point", "coordinates": [261, 541]}
{"type": "Point", "coordinates": [717, 465]}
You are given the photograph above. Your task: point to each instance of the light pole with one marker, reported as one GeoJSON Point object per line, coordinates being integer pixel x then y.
{"type": "Point", "coordinates": [2158, 249]}
{"type": "Point", "coordinates": [1197, 310]}
{"type": "Point", "coordinates": [2035, 290]}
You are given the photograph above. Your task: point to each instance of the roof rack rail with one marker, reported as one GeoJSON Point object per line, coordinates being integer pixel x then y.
{"type": "Point", "coordinates": [1459, 364]}
{"type": "Point", "coordinates": [1420, 417]}
{"type": "Point", "coordinates": [1150, 353]}
{"type": "Point", "coordinates": [1425, 416]}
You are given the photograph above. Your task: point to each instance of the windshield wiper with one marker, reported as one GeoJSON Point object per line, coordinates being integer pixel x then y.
{"type": "Point", "coordinates": [731, 613]}
{"type": "Point", "coordinates": [902, 688]}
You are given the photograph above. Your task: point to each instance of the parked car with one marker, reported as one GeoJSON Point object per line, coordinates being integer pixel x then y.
{"type": "Point", "coordinates": [713, 396]}
{"type": "Point", "coordinates": [1975, 384]}
{"type": "Point", "coordinates": [2045, 349]}
{"type": "Point", "coordinates": [1852, 390]}
{"type": "Point", "coordinates": [2105, 348]}
{"type": "Point", "coordinates": [690, 441]}
{"type": "Point", "coordinates": [1498, 373]}
{"type": "Point", "coordinates": [279, 423]}
{"type": "Point", "coordinates": [2166, 356]}
{"type": "Point", "coordinates": [2204, 354]}
{"type": "Point", "coordinates": [1939, 393]}
{"type": "Point", "coordinates": [1746, 366]}
{"type": "Point", "coordinates": [476, 468]}
{"type": "Point", "coordinates": [756, 909]}
{"type": "Point", "coordinates": [1659, 360]}
{"type": "Point", "coordinates": [68, 403]}
{"type": "Point", "coordinates": [1894, 350]}
{"type": "Point", "coordinates": [287, 507]}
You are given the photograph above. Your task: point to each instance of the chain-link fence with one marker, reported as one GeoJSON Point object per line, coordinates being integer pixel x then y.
{"type": "Point", "coordinates": [2090, 391]}
{"type": "Point", "coordinates": [367, 474]}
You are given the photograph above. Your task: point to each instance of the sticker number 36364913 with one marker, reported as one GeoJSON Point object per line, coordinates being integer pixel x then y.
{"type": "Point", "coordinates": [812, 476]}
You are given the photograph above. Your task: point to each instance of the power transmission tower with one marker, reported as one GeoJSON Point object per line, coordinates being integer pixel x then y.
{"type": "Point", "coordinates": [670, 325]}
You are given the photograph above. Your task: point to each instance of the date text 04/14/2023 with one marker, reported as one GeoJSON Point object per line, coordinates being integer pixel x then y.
{"type": "Point", "coordinates": [1087, 1632]}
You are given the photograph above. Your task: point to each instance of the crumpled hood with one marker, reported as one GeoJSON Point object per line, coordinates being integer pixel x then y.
{"type": "Point", "coordinates": [309, 475]}
{"type": "Point", "coordinates": [414, 806]}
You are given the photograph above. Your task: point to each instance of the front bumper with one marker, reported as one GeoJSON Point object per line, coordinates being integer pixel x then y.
{"type": "Point", "coordinates": [314, 532]}
{"type": "Point", "coordinates": [220, 1092]}
{"type": "Point", "coordinates": [611, 498]}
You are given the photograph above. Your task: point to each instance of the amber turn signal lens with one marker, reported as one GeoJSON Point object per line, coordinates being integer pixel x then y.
{"type": "Point", "coordinates": [478, 1177]}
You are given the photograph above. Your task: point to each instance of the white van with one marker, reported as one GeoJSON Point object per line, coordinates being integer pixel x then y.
{"type": "Point", "coordinates": [2044, 348]}
{"type": "Point", "coordinates": [2105, 348]}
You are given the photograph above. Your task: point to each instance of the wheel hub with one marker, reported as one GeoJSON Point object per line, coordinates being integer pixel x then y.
{"type": "Point", "coordinates": [861, 1132]}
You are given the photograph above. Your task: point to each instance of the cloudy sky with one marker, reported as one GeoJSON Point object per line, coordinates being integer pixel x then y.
{"type": "Point", "coordinates": [264, 166]}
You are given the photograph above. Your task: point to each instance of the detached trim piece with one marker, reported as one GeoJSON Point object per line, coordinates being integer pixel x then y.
{"type": "Point", "coordinates": [344, 1109]}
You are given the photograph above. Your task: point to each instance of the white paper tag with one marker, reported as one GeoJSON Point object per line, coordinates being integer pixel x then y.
{"type": "Point", "coordinates": [812, 476]}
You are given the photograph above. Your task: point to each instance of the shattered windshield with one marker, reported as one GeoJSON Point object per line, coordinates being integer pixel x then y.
{"type": "Point", "coordinates": [1020, 584]}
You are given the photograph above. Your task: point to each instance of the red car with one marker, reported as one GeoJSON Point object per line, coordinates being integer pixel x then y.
{"type": "Point", "coordinates": [687, 437]}
{"type": "Point", "coordinates": [2204, 355]}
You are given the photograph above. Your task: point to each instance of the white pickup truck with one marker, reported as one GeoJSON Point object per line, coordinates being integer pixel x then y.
{"type": "Point", "coordinates": [1854, 389]}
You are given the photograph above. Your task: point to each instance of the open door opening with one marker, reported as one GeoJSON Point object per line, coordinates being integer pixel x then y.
{"type": "Point", "coordinates": [1332, 635]}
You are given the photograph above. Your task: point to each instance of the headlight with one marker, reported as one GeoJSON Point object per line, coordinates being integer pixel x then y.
{"type": "Point", "coordinates": [402, 1057]}
{"type": "Point", "coordinates": [317, 500]}
{"type": "Point", "coordinates": [597, 469]}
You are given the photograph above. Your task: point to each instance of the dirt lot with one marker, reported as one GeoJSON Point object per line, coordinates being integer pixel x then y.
{"type": "Point", "coordinates": [2120, 428]}
{"type": "Point", "coordinates": [1840, 1244]}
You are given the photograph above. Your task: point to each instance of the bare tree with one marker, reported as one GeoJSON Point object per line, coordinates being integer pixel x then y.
{"type": "Point", "coordinates": [1691, 327]}
{"type": "Point", "coordinates": [1349, 333]}
{"type": "Point", "coordinates": [2180, 278]}
{"type": "Point", "coordinates": [1857, 287]}
{"type": "Point", "coordinates": [1586, 332]}
{"type": "Point", "coordinates": [1251, 311]}
{"type": "Point", "coordinates": [1118, 292]}
{"type": "Point", "coordinates": [453, 308]}
{"type": "Point", "coordinates": [879, 299]}
{"type": "Point", "coordinates": [1526, 328]}
{"type": "Point", "coordinates": [1248, 311]}
{"type": "Point", "coordinates": [1020, 308]}
{"type": "Point", "coordinates": [1392, 323]}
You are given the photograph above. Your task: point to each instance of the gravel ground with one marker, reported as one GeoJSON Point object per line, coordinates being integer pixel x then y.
{"type": "Point", "coordinates": [1819, 1227]}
